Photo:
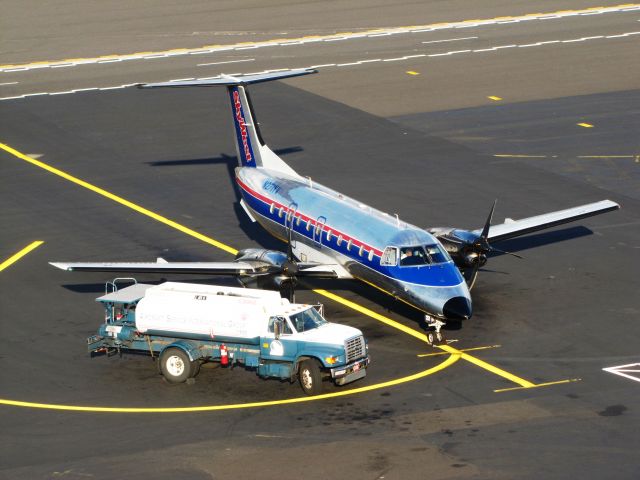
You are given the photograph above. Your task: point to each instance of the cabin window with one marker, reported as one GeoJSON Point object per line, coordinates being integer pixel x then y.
{"type": "Point", "coordinates": [361, 250]}
{"type": "Point", "coordinates": [289, 215]}
{"type": "Point", "coordinates": [272, 208]}
{"type": "Point", "coordinates": [308, 225]}
{"type": "Point", "coordinates": [371, 255]}
{"type": "Point", "coordinates": [297, 221]}
{"type": "Point", "coordinates": [389, 257]}
{"type": "Point", "coordinates": [349, 245]}
{"type": "Point", "coordinates": [339, 240]}
{"type": "Point", "coordinates": [328, 235]}
{"type": "Point", "coordinates": [281, 212]}
{"type": "Point", "coordinates": [318, 229]}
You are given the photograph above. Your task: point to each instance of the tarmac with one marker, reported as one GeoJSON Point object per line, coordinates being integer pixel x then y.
{"type": "Point", "coordinates": [395, 119]}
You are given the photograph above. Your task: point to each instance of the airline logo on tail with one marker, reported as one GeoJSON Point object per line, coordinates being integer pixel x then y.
{"type": "Point", "coordinates": [242, 128]}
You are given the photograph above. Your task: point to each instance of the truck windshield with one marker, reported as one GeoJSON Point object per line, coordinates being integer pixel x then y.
{"type": "Point", "coordinates": [307, 320]}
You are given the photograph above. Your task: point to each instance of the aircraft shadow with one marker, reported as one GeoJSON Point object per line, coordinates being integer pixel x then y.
{"type": "Point", "coordinates": [252, 230]}
{"type": "Point", "coordinates": [541, 239]}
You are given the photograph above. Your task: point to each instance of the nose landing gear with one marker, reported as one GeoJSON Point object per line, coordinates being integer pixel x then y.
{"type": "Point", "coordinates": [434, 335]}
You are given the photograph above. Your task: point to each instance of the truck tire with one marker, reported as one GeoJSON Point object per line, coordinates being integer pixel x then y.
{"type": "Point", "coordinates": [195, 367]}
{"type": "Point", "coordinates": [175, 365]}
{"type": "Point", "coordinates": [310, 377]}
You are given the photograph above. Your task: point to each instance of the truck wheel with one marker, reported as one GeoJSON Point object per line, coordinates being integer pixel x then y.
{"type": "Point", "coordinates": [310, 377]}
{"type": "Point", "coordinates": [176, 365]}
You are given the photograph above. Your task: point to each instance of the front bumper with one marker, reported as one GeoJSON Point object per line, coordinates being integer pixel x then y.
{"type": "Point", "coordinates": [351, 372]}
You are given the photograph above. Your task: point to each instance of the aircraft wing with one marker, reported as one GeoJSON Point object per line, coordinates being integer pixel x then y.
{"type": "Point", "coordinates": [209, 268]}
{"type": "Point", "coordinates": [515, 228]}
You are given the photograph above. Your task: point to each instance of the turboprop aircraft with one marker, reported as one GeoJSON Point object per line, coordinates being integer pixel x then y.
{"type": "Point", "coordinates": [331, 235]}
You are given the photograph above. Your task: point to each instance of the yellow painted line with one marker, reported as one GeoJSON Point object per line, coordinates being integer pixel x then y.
{"type": "Point", "coordinates": [585, 125]}
{"type": "Point", "coordinates": [209, 408]}
{"type": "Point", "coordinates": [455, 354]}
{"type": "Point", "coordinates": [494, 98]}
{"type": "Point", "coordinates": [119, 200]}
{"type": "Point", "coordinates": [539, 385]}
{"type": "Point", "coordinates": [17, 256]}
{"type": "Point", "coordinates": [372, 31]}
{"type": "Point", "coordinates": [421, 336]}
{"type": "Point", "coordinates": [411, 72]}
{"type": "Point", "coordinates": [422, 355]}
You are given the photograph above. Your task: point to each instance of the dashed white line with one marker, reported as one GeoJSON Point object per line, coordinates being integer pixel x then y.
{"type": "Point", "coordinates": [8, 83]}
{"type": "Point", "coordinates": [225, 63]}
{"type": "Point", "coordinates": [327, 65]}
{"type": "Point", "coordinates": [450, 40]}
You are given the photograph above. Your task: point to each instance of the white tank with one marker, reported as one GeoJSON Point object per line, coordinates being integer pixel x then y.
{"type": "Point", "coordinates": [214, 311]}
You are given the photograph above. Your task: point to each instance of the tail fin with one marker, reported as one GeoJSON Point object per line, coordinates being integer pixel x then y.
{"type": "Point", "coordinates": [251, 148]}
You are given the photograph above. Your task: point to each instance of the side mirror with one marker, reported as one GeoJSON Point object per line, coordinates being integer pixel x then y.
{"type": "Point", "coordinates": [277, 328]}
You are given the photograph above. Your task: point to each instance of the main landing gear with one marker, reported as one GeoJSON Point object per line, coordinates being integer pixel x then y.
{"type": "Point", "coordinates": [434, 335]}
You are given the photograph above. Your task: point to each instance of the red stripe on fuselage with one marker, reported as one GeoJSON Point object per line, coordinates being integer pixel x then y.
{"type": "Point", "coordinates": [355, 242]}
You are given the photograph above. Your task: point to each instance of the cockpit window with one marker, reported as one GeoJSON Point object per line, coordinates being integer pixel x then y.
{"type": "Point", "coordinates": [390, 256]}
{"type": "Point", "coordinates": [436, 254]}
{"type": "Point", "coordinates": [418, 255]}
{"type": "Point", "coordinates": [413, 256]}
{"type": "Point", "coordinates": [307, 320]}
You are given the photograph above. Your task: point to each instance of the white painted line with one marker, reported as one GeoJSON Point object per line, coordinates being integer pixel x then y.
{"type": "Point", "coordinates": [63, 65]}
{"type": "Point", "coordinates": [379, 35]}
{"type": "Point", "coordinates": [112, 88]}
{"type": "Point", "coordinates": [335, 39]}
{"type": "Point", "coordinates": [414, 56]}
{"type": "Point", "coordinates": [323, 66]}
{"type": "Point", "coordinates": [450, 40]}
{"type": "Point", "coordinates": [8, 83]}
{"type": "Point", "coordinates": [84, 89]}
{"type": "Point", "coordinates": [68, 92]}
{"type": "Point", "coordinates": [630, 371]}
{"type": "Point", "coordinates": [181, 79]}
{"type": "Point", "coordinates": [393, 59]}
{"type": "Point", "coordinates": [225, 63]}
{"type": "Point", "coordinates": [153, 57]}
{"type": "Point", "coordinates": [347, 64]}
{"type": "Point", "coordinates": [377, 60]}
{"type": "Point", "coordinates": [110, 61]}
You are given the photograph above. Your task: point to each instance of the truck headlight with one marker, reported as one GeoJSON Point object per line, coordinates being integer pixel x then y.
{"type": "Point", "coordinates": [331, 360]}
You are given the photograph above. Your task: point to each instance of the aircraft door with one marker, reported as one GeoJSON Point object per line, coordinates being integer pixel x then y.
{"type": "Point", "coordinates": [319, 228]}
{"type": "Point", "coordinates": [292, 220]}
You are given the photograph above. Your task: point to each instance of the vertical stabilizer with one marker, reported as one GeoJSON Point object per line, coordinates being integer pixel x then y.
{"type": "Point", "coordinates": [251, 149]}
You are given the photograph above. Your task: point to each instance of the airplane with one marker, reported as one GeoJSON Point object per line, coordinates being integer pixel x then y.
{"type": "Point", "coordinates": [330, 235]}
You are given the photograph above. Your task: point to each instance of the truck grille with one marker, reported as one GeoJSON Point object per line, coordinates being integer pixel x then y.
{"type": "Point", "coordinates": [355, 348]}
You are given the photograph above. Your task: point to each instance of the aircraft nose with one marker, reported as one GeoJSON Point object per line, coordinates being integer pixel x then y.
{"type": "Point", "coordinates": [457, 308]}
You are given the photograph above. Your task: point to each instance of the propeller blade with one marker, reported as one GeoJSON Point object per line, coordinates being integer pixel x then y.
{"type": "Point", "coordinates": [485, 230]}
{"type": "Point", "coordinates": [471, 277]}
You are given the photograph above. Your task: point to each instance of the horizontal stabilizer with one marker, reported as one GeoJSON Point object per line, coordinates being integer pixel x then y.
{"type": "Point", "coordinates": [229, 80]}
{"type": "Point", "coordinates": [208, 268]}
{"type": "Point", "coordinates": [514, 228]}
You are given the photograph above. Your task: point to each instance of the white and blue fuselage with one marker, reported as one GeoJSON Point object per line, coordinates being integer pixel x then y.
{"type": "Point", "coordinates": [365, 242]}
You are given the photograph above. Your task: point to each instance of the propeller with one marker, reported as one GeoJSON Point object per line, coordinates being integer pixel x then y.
{"type": "Point", "coordinates": [290, 267]}
{"type": "Point", "coordinates": [480, 248]}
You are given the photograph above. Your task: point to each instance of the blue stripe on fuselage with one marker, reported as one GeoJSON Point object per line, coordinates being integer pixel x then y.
{"type": "Point", "coordinates": [438, 275]}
